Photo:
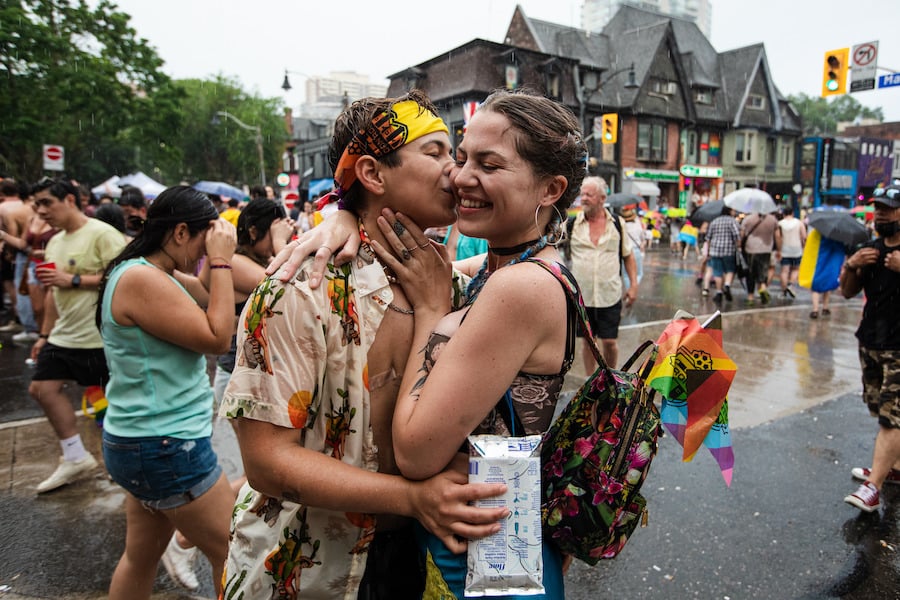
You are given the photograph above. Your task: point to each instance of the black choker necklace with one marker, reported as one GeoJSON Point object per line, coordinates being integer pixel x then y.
{"type": "Point", "coordinates": [509, 251]}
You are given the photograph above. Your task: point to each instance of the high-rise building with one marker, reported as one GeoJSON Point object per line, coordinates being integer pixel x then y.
{"type": "Point", "coordinates": [325, 95]}
{"type": "Point", "coordinates": [595, 14]}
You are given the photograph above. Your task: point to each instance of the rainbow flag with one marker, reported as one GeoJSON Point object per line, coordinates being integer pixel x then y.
{"type": "Point", "coordinates": [820, 267]}
{"type": "Point", "coordinates": [693, 374]}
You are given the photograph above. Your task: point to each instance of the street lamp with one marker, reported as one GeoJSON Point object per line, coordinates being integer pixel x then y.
{"type": "Point", "coordinates": [254, 128]}
{"type": "Point", "coordinates": [286, 84]}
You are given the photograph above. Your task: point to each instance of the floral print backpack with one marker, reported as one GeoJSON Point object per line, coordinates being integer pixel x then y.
{"type": "Point", "coordinates": [597, 453]}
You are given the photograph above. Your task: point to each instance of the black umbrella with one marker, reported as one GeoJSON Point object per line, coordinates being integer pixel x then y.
{"type": "Point", "coordinates": [839, 226]}
{"type": "Point", "coordinates": [707, 212]}
{"type": "Point", "coordinates": [621, 200]}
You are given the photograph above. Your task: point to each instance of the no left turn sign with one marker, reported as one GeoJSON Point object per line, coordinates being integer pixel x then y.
{"type": "Point", "coordinates": [864, 54]}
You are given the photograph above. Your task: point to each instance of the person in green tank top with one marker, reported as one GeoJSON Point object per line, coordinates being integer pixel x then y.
{"type": "Point", "coordinates": [157, 429]}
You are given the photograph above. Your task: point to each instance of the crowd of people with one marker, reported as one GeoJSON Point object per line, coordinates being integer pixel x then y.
{"type": "Point", "coordinates": [342, 375]}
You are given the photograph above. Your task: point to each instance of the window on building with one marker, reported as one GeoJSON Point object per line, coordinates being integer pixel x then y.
{"type": "Point", "coordinates": [771, 149]}
{"type": "Point", "coordinates": [652, 142]}
{"type": "Point", "coordinates": [663, 86]}
{"type": "Point", "coordinates": [743, 147]}
{"type": "Point", "coordinates": [756, 102]}
{"type": "Point", "coordinates": [553, 85]}
{"type": "Point", "coordinates": [703, 96]}
{"type": "Point", "coordinates": [787, 153]}
{"type": "Point", "coordinates": [691, 154]}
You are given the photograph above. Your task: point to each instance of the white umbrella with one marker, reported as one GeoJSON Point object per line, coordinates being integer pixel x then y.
{"type": "Point", "coordinates": [750, 200]}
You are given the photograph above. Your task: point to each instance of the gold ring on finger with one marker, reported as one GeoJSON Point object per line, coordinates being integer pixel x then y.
{"type": "Point", "coordinates": [423, 246]}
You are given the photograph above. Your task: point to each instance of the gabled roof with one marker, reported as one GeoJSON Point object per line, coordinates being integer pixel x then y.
{"type": "Point", "coordinates": [591, 49]}
{"type": "Point", "coordinates": [640, 46]}
{"type": "Point", "coordinates": [739, 70]}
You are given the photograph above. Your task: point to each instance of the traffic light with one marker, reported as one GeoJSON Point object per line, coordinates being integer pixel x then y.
{"type": "Point", "coordinates": [609, 132]}
{"type": "Point", "coordinates": [834, 74]}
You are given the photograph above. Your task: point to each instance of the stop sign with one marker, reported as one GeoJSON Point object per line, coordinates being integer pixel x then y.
{"type": "Point", "coordinates": [54, 157]}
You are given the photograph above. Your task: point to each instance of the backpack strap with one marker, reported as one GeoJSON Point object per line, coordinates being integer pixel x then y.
{"type": "Point", "coordinates": [618, 225]}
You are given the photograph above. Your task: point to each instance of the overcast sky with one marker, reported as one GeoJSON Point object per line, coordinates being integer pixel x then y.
{"type": "Point", "coordinates": [256, 41]}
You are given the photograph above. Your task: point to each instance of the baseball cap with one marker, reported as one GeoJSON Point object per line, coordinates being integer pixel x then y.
{"type": "Point", "coordinates": [889, 196]}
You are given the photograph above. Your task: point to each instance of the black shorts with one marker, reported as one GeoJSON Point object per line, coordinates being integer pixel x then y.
{"type": "Point", "coordinates": [86, 367]}
{"type": "Point", "coordinates": [605, 321]}
{"type": "Point", "coordinates": [7, 268]}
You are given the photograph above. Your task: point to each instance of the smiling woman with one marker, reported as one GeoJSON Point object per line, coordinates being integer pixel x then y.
{"type": "Point", "coordinates": [517, 171]}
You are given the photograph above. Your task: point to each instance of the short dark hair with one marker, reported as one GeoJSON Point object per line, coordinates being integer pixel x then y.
{"type": "Point", "coordinates": [59, 188]}
{"type": "Point", "coordinates": [112, 214]}
{"type": "Point", "coordinates": [354, 119]}
{"type": "Point", "coordinates": [257, 191]}
{"type": "Point", "coordinates": [9, 187]}
{"type": "Point", "coordinates": [132, 196]}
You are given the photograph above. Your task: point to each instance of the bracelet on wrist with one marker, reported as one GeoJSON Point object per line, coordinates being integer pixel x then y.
{"type": "Point", "coordinates": [43, 336]}
{"type": "Point", "coordinates": [225, 266]}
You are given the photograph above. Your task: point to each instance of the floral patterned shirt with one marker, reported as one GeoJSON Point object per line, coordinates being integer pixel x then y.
{"type": "Point", "coordinates": [301, 363]}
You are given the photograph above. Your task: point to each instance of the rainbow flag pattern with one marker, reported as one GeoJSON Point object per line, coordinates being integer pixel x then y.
{"type": "Point", "coordinates": [693, 374]}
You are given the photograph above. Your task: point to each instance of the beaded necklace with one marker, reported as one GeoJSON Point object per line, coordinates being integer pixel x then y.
{"type": "Point", "coordinates": [481, 277]}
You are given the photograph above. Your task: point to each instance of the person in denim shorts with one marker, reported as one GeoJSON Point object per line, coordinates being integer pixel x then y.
{"type": "Point", "coordinates": [158, 426]}
{"type": "Point", "coordinates": [875, 269]}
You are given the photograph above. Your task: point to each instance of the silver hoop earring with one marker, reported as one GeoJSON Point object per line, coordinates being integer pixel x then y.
{"type": "Point", "coordinates": [556, 233]}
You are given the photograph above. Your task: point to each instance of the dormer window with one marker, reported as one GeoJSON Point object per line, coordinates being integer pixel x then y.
{"type": "Point", "coordinates": [703, 96]}
{"type": "Point", "coordinates": [756, 102]}
{"type": "Point", "coordinates": [664, 87]}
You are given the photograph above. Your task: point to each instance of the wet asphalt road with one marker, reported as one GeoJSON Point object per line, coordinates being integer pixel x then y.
{"type": "Point", "coordinates": [780, 531]}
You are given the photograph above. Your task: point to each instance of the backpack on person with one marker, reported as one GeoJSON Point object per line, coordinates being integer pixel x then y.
{"type": "Point", "coordinates": [597, 453]}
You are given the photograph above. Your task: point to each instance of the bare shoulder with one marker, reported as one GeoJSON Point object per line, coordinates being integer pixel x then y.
{"type": "Point", "coordinates": [525, 287]}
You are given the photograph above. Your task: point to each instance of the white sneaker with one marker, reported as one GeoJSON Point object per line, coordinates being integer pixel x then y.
{"type": "Point", "coordinates": [67, 472]}
{"type": "Point", "coordinates": [179, 564]}
{"type": "Point", "coordinates": [25, 337]}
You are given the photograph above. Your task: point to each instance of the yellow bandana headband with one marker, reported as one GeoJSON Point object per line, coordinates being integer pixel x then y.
{"type": "Point", "coordinates": [389, 130]}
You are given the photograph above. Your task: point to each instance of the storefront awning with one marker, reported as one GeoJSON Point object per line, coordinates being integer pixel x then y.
{"type": "Point", "coordinates": [641, 188]}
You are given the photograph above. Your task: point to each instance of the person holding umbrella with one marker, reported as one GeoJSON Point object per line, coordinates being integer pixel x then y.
{"type": "Point", "coordinates": [875, 269]}
{"type": "Point", "coordinates": [831, 234]}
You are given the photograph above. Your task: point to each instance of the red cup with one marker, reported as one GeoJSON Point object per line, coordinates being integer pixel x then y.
{"type": "Point", "coordinates": [46, 265]}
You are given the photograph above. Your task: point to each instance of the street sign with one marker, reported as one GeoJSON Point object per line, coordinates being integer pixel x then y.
{"type": "Point", "coordinates": [701, 171]}
{"type": "Point", "coordinates": [283, 179]}
{"type": "Point", "coordinates": [889, 80]}
{"type": "Point", "coordinates": [863, 63]}
{"type": "Point", "coordinates": [54, 158]}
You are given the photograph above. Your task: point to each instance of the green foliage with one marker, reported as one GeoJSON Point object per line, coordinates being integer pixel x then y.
{"type": "Point", "coordinates": [80, 78]}
{"type": "Point", "coordinates": [821, 116]}
{"type": "Point", "coordinates": [225, 151]}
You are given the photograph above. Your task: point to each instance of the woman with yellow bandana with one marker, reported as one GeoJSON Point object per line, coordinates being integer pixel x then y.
{"type": "Point", "coordinates": [314, 385]}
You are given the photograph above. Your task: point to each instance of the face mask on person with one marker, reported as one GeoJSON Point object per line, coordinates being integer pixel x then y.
{"type": "Point", "coordinates": [887, 229]}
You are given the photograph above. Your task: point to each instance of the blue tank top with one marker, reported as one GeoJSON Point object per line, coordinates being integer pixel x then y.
{"type": "Point", "coordinates": [155, 388]}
